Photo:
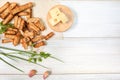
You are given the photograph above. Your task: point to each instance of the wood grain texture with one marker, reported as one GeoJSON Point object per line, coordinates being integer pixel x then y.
{"type": "Point", "coordinates": [94, 18]}
{"type": "Point", "coordinates": [81, 55]}
{"type": "Point", "coordinates": [93, 46]}
{"type": "Point", "coordinates": [64, 77]}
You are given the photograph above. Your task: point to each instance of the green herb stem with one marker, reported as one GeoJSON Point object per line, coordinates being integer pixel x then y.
{"type": "Point", "coordinates": [22, 59]}
{"type": "Point", "coordinates": [3, 27]}
{"type": "Point", "coordinates": [11, 64]}
{"type": "Point", "coordinates": [27, 60]}
{"type": "Point", "coordinates": [15, 50]}
{"type": "Point", "coordinates": [34, 57]}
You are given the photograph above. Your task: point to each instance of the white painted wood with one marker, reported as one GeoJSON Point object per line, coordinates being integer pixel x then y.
{"type": "Point", "coordinates": [64, 77]}
{"type": "Point", "coordinates": [81, 55]}
{"type": "Point", "coordinates": [94, 18]}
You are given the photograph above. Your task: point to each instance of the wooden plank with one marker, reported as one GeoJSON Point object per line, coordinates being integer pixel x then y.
{"type": "Point", "coordinates": [94, 18]}
{"type": "Point", "coordinates": [64, 77]}
{"type": "Point", "coordinates": [81, 55]}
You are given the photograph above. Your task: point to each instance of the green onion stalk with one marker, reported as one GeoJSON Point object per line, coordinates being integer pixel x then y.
{"type": "Point", "coordinates": [32, 57]}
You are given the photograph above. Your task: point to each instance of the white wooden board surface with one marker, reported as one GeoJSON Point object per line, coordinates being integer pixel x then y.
{"type": "Point", "coordinates": [92, 45]}
{"type": "Point", "coordinates": [94, 18]}
{"type": "Point", "coordinates": [64, 77]}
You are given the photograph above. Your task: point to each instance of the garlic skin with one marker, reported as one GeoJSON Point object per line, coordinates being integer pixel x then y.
{"type": "Point", "coordinates": [32, 73]}
{"type": "Point", "coordinates": [46, 74]}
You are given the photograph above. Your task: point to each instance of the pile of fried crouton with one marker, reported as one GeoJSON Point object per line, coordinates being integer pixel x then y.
{"type": "Point", "coordinates": [26, 29]}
